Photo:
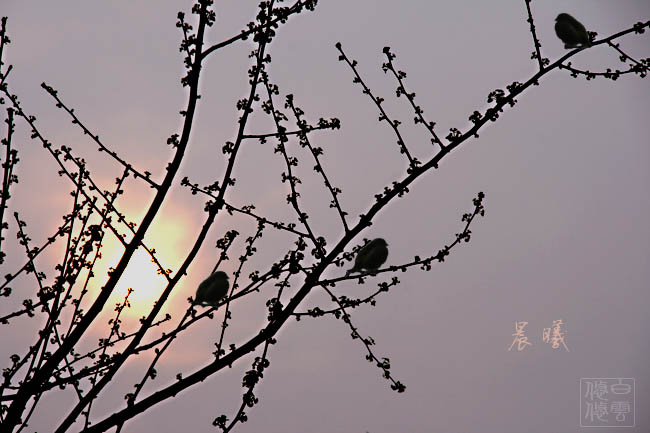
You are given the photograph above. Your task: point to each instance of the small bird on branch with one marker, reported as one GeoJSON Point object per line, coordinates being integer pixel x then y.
{"type": "Point", "coordinates": [371, 256]}
{"type": "Point", "coordinates": [212, 289]}
{"type": "Point", "coordinates": [571, 32]}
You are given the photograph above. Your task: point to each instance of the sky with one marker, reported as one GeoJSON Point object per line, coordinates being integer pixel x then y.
{"type": "Point", "coordinates": [565, 236]}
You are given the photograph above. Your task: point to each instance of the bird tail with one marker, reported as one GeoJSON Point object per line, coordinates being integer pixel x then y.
{"type": "Point", "coordinates": [579, 45]}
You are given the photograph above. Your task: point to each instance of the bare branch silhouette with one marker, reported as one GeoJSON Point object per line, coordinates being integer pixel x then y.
{"type": "Point", "coordinates": [69, 309]}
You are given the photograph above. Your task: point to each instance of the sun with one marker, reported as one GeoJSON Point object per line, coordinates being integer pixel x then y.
{"type": "Point", "coordinates": [142, 275]}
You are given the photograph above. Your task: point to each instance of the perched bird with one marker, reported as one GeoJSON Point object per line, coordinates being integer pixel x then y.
{"type": "Point", "coordinates": [571, 32]}
{"type": "Point", "coordinates": [371, 256]}
{"type": "Point", "coordinates": [212, 289]}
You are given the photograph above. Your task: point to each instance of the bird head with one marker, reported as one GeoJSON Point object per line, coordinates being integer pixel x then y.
{"type": "Point", "coordinates": [221, 274]}
{"type": "Point", "coordinates": [564, 17]}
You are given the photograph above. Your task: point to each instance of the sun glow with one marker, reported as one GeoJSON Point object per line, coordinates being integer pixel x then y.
{"type": "Point", "coordinates": [167, 238]}
{"type": "Point", "coordinates": [142, 276]}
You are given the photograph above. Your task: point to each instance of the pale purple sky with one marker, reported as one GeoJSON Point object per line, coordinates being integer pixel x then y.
{"type": "Point", "coordinates": [566, 235]}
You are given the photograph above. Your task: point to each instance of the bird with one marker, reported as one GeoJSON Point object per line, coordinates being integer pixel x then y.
{"type": "Point", "coordinates": [571, 32]}
{"type": "Point", "coordinates": [212, 289]}
{"type": "Point", "coordinates": [371, 256]}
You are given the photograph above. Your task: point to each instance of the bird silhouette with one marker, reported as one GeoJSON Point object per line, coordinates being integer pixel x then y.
{"type": "Point", "coordinates": [571, 32]}
{"type": "Point", "coordinates": [212, 289]}
{"type": "Point", "coordinates": [371, 256]}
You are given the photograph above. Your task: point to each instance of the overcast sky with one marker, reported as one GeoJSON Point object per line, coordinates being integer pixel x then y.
{"type": "Point", "coordinates": [565, 237]}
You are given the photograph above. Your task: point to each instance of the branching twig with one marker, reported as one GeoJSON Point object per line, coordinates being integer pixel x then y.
{"type": "Point", "coordinates": [8, 178]}
{"type": "Point", "coordinates": [315, 152]}
{"type": "Point", "coordinates": [115, 330]}
{"type": "Point", "coordinates": [246, 210]}
{"type": "Point", "coordinates": [537, 54]}
{"type": "Point", "coordinates": [394, 124]}
{"type": "Point", "coordinates": [401, 90]}
{"type": "Point", "coordinates": [292, 198]}
{"type": "Point", "coordinates": [102, 148]}
{"type": "Point", "coordinates": [644, 64]}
